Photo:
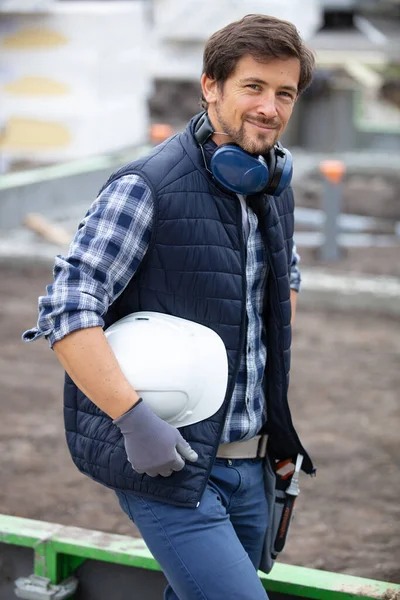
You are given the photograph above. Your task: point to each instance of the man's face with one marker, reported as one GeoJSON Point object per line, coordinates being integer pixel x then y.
{"type": "Point", "coordinates": [255, 103]}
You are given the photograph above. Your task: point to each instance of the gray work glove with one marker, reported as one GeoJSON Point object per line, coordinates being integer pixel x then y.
{"type": "Point", "coordinates": [153, 446]}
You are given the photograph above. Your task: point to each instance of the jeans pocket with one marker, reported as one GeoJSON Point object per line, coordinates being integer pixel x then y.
{"type": "Point", "coordinates": [225, 479]}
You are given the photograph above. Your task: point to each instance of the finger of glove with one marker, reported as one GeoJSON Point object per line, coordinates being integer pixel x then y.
{"type": "Point", "coordinates": [187, 451]}
{"type": "Point", "coordinates": [178, 463]}
{"type": "Point", "coordinates": [166, 473]}
{"type": "Point", "coordinates": [151, 472]}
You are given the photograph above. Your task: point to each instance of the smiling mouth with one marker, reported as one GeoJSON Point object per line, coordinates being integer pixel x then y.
{"type": "Point", "coordinates": [262, 126]}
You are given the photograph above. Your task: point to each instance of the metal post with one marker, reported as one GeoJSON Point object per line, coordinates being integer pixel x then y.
{"type": "Point", "coordinates": [333, 171]}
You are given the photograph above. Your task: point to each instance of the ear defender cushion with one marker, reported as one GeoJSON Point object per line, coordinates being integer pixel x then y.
{"type": "Point", "coordinates": [239, 171]}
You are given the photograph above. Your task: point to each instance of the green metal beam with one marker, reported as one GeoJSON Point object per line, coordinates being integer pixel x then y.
{"type": "Point", "coordinates": [46, 561]}
{"type": "Point", "coordinates": [25, 532]}
{"type": "Point", "coordinates": [60, 549]}
{"type": "Point", "coordinates": [323, 585]}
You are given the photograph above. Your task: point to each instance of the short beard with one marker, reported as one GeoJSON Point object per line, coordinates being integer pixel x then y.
{"type": "Point", "coordinates": [240, 137]}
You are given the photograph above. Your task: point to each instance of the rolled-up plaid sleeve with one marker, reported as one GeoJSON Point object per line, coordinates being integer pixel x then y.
{"type": "Point", "coordinates": [295, 275]}
{"type": "Point", "coordinates": [105, 253]}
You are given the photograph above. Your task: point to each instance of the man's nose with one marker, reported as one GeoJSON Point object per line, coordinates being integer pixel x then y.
{"type": "Point", "coordinates": [267, 106]}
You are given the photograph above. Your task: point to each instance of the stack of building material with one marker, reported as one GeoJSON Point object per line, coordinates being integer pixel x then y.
{"type": "Point", "coordinates": [73, 81]}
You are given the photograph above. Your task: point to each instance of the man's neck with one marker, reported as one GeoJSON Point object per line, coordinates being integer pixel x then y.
{"type": "Point", "coordinates": [219, 137]}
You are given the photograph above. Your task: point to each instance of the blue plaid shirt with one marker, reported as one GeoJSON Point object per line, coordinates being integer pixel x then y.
{"type": "Point", "coordinates": [104, 255]}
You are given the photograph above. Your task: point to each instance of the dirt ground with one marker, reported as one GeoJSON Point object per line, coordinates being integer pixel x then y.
{"type": "Point", "coordinates": [345, 401]}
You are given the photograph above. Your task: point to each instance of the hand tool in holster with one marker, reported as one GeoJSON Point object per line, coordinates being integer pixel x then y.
{"type": "Point", "coordinates": [291, 494]}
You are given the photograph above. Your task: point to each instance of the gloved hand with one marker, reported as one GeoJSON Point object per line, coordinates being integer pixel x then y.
{"type": "Point", "coordinates": [153, 446]}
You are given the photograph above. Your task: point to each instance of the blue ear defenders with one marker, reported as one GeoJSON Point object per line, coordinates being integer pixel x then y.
{"type": "Point", "coordinates": [243, 173]}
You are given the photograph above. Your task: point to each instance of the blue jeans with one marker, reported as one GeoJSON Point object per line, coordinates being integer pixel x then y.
{"type": "Point", "coordinates": [211, 552]}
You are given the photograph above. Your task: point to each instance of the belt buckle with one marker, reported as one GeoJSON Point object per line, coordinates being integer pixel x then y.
{"type": "Point", "coordinates": [262, 446]}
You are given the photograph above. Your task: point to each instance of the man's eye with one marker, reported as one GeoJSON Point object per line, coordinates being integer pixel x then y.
{"type": "Point", "coordinates": [254, 86]}
{"type": "Point", "coordinates": [286, 95]}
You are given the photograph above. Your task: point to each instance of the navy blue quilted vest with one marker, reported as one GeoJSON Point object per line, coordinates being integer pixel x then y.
{"type": "Point", "coordinates": [195, 269]}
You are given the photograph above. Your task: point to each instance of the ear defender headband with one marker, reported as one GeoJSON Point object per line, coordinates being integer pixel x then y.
{"type": "Point", "coordinates": [243, 173]}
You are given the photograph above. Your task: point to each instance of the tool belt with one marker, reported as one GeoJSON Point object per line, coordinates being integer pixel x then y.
{"type": "Point", "coordinates": [254, 448]}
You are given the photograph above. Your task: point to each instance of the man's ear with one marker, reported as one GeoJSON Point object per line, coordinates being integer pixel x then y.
{"type": "Point", "coordinates": [209, 88]}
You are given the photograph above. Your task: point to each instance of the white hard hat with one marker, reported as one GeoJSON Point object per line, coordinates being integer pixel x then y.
{"type": "Point", "coordinates": [178, 367]}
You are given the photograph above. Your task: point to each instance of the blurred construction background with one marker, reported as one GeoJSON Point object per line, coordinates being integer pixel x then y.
{"type": "Point", "coordinates": [82, 85]}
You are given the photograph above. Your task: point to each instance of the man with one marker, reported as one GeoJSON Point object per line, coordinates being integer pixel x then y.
{"type": "Point", "coordinates": [167, 235]}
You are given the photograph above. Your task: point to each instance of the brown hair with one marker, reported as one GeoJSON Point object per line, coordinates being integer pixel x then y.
{"type": "Point", "coordinates": [261, 36]}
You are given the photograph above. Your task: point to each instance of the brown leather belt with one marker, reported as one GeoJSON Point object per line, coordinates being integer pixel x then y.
{"type": "Point", "coordinates": [254, 448]}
